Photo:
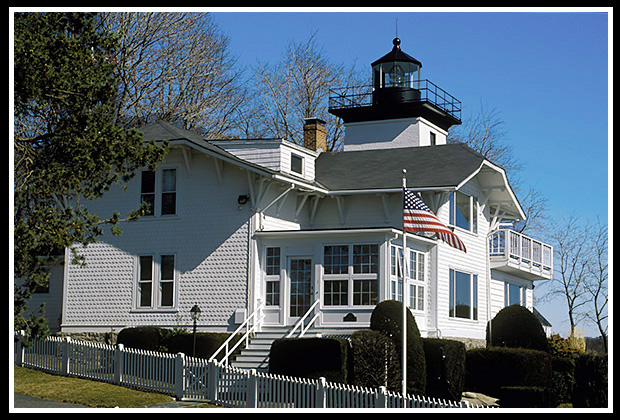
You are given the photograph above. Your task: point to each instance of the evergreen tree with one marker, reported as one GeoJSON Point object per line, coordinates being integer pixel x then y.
{"type": "Point", "coordinates": [67, 146]}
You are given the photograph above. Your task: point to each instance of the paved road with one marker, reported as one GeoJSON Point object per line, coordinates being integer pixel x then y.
{"type": "Point", "coordinates": [25, 401]}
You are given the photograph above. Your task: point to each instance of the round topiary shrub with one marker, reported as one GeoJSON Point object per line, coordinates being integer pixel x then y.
{"type": "Point", "coordinates": [387, 318]}
{"type": "Point", "coordinates": [517, 327]}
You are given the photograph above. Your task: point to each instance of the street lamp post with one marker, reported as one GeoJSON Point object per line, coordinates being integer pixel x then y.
{"type": "Point", "coordinates": [195, 314]}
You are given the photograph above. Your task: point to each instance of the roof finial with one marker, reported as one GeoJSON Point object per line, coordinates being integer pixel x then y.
{"type": "Point", "coordinates": [396, 27]}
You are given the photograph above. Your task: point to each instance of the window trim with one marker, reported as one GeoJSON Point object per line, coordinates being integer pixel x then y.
{"type": "Point", "coordinates": [472, 219]}
{"type": "Point", "coordinates": [413, 281]}
{"type": "Point", "coordinates": [356, 282]}
{"type": "Point", "coordinates": [157, 208]}
{"type": "Point", "coordinates": [274, 278]}
{"type": "Point", "coordinates": [301, 163]}
{"type": "Point", "coordinates": [156, 283]}
{"type": "Point", "coordinates": [473, 295]}
{"type": "Point", "coordinates": [521, 292]}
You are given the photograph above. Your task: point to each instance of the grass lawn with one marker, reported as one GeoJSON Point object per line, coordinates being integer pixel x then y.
{"type": "Point", "coordinates": [81, 391]}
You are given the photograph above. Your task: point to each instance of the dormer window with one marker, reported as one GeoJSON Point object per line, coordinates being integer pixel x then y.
{"type": "Point", "coordinates": [297, 164]}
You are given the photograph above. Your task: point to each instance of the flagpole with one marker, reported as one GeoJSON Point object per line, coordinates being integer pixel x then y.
{"type": "Point", "coordinates": [404, 294]}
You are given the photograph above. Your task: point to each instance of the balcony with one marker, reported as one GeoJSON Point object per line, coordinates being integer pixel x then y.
{"type": "Point", "coordinates": [515, 253]}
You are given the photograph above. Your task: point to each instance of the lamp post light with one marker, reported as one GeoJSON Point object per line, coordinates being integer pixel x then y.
{"type": "Point", "coordinates": [195, 314]}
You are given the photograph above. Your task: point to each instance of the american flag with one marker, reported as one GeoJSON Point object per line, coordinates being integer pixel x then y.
{"type": "Point", "coordinates": [417, 217]}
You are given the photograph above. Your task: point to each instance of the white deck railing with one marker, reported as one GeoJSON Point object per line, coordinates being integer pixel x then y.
{"type": "Point", "coordinates": [189, 378]}
{"type": "Point", "coordinates": [529, 254]}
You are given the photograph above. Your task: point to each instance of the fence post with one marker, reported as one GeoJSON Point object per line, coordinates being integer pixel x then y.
{"type": "Point", "coordinates": [118, 364]}
{"type": "Point", "coordinates": [381, 398]}
{"type": "Point", "coordinates": [252, 390]}
{"type": "Point", "coordinates": [213, 379]}
{"type": "Point", "coordinates": [179, 376]}
{"type": "Point", "coordinates": [19, 350]}
{"type": "Point", "coordinates": [321, 394]}
{"type": "Point", "coordinates": [66, 359]}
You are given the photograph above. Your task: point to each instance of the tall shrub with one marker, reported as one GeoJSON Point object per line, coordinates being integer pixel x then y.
{"type": "Point", "coordinates": [387, 318]}
{"type": "Point", "coordinates": [376, 361]}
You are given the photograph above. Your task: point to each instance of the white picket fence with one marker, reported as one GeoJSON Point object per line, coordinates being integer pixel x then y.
{"type": "Point", "coordinates": [188, 378]}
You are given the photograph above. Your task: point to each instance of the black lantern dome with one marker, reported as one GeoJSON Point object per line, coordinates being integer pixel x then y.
{"type": "Point", "coordinates": [397, 91]}
{"type": "Point", "coordinates": [396, 77]}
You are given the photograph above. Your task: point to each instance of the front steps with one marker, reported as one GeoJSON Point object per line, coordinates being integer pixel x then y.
{"type": "Point", "coordinates": [256, 354]}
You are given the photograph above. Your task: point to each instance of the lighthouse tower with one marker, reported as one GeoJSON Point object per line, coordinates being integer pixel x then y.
{"type": "Point", "coordinates": [400, 109]}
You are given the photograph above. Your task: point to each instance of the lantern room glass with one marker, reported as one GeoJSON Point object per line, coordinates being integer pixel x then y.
{"type": "Point", "coordinates": [396, 74]}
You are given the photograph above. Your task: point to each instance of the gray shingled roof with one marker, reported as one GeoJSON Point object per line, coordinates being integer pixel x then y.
{"type": "Point", "coordinates": [433, 166]}
{"type": "Point", "coordinates": [163, 130]}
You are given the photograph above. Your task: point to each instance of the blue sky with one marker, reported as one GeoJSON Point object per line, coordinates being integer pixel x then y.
{"type": "Point", "coordinates": [545, 71]}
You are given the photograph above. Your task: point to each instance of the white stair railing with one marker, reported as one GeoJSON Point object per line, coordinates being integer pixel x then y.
{"type": "Point", "coordinates": [250, 324]}
{"type": "Point", "coordinates": [300, 323]}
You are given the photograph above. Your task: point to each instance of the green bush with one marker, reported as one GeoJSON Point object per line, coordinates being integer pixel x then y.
{"type": "Point", "coordinates": [523, 396]}
{"type": "Point", "coordinates": [174, 341]}
{"type": "Point", "coordinates": [375, 361]}
{"type": "Point", "coordinates": [590, 381]}
{"type": "Point", "coordinates": [445, 368]}
{"type": "Point", "coordinates": [206, 344]}
{"type": "Point", "coordinates": [387, 318]}
{"type": "Point", "coordinates": [310, 357]}
{"type": "Point", "coordinates": [490, 369]}
{"type": "Point", "coordinates": [515, 326]}
{"type": "Point", "coordinates": [562, 379]}
{"type": "Point", "coordinates": [142, 338]}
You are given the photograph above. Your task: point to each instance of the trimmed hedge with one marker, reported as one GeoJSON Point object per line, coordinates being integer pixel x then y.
{"type": "Point", "coordinates": [523, 396]}
{"type": "Point", "coordinates": [167, 340]}
{"type": "Point", "coordinates": [143, 338]}
{"type": "Point", "coordinates": [490, 369]}
{"type": "Point", "coordinates": [387, 318]}
{"type": "Point", "coordinates": [310, 357]}
{"type": "Point", "coordinates": [591, 381]}
{"type": "Point", "coordinates": [375, 361]}
{"type": "Point", "coordinates": [445, 368]}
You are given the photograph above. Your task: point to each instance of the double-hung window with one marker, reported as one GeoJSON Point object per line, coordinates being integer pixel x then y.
{"type": "Point", "coordinates": [156, 281]}
{"type": "Point", "coordinates": [463, 295]}
{"type": "Point", "coordinates": [272, 276]}
{"type": "Point", "coordinates": [464, 211]}
{"type": "Point", "coordinates": [514, 294]}
{"type": "Point", "coordinates": [159, 191]}
{"type": "Point", "coordinates": [350, 275]}
{"type": "Point", "coordinates": [416, 280]}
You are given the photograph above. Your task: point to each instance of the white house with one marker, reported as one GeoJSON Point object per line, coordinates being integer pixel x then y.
{"type": "Point", "coordinates": [270, 226]}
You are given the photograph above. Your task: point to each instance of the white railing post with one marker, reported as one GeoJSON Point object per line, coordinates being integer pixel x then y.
{"type": "Point", "coordinates": [252, 390]}
{"type": "Point", "coordinates": [321, 393]}
{"type": "Point", "coordinates": [66, 359]}
{"type": "Point", "coordinates": [118, 364]}
{"type": "Point", "coordinates": [179, 376]}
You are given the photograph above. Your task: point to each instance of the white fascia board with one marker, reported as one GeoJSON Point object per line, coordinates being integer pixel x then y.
{"type": "Point", "coordinates": [500, 171]}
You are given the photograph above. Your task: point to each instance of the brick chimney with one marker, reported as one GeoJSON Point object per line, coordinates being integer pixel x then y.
{"type": "Point", "coordinates": [315, 134]}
